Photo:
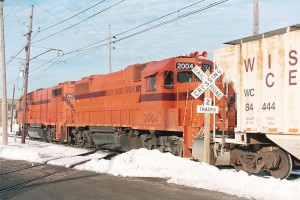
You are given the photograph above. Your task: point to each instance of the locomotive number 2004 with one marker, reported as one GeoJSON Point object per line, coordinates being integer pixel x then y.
{"type": "Point", "coordinates": [150, 118]}
{"type": "Point", "coordinates": [185, 66]}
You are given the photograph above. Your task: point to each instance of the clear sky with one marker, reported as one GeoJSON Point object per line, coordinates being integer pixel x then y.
{"type": "Point", "coordinates": [60, 36]}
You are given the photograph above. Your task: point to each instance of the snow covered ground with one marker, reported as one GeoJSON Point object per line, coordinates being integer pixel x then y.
{"type": "Point", "coordinates": [145, 163]}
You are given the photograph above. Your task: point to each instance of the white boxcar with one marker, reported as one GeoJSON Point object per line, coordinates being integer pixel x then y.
{"type": "Point", "coordinates": [265, 72]}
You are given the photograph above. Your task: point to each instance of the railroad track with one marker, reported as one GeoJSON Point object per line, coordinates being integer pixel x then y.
{"type": "Point", "coordinates": [19, 168]}
{"type": "Point", "coordinates": [24, 174]}
{"type": "Point", "coordinates": [29, 175]}
{"type": "Point", "coordinates": [16, 177]}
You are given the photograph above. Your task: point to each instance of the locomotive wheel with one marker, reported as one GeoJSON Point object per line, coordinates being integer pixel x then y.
{"type": "Point", "coordinates": [80, 143]}
{"type": "Point", "coordinates": [213, 157]}
{"type": "Point", "coordinates": [238, 167]}
{"type": "Point", "coordinates": [49, 136]}
{"type": "Point", "coordinates": [284, 167]}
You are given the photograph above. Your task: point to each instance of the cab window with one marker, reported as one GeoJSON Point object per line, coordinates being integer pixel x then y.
{"type": "Point", "coordinates": [168, 79]}
{"type": "Point", "coordinates": [183, 77]}
{"type": "Point", "coordinates": [56, 92]}
{"type": "Point", "coordinates": [151, 83]}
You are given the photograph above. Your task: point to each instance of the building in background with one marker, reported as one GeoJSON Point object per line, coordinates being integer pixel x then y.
{"type": "Point", "coordinates": [9, 106]}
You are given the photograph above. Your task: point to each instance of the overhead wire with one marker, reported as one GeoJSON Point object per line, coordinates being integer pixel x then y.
{"type": "Point", "coordinates": [64, 62]}
{"type": "Point", "coordinates": [89, 50]}
{"type": "Point", "coordinates": [32, 70]}
{"type": "Point", "coordinates": [13, 57]}
{"type": "Point", "coordinates": [176, 11]}
{"type": "Point", "coordinates": [150, 28]}
{"type": "Point", "coordinates": [84, 13]}
{"type": "Point", "coordinates": [86, 51]}
{"type": "Point", "coordinates": [71, 16]}
{"type": "Point", "coordinates": [12, 9]}
{"type": "Point", "coordinates": [136, 27]}
{"type": "Point", "coordinates": [78, 7]}
{"type": "Point", "coordinates": [39, 75]}
{"type": "Point", "coordinates": [48, 61]}
{"type": "Point", "coordinates": [42, 74]}
{"type": "Point", "coordinates": [77, 57]}
{"type": "Point", "coordinates": [79, 22]}
{"type": "Point", "coordinates": [171, 20]}
{"type": "Point", "coordinates": [53, 14]}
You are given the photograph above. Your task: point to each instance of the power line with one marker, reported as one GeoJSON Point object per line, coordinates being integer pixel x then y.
{"type": "Point", "coordinates": [137, 26]}
{"type": "Point", "coordinates": [91, 47]}
{"type": "Point", "coordinates": [177, 11]}
{"type": "Point", "coordinates": [86, 51]}
{"type": "Point", "coordinates": [155, 26]}
{"type": "Point", "coordinates": [172, 20]}
{"type": "Point", "coordinates": [12, 9]}
{"type": "Point", "coordinates": [31, 71]}
{"type": "Point", "coordinates": [79, 22]}
{"type": "Point", "coordinates": [33, 1]}
{"type": "Point", "coordinates": [64, 62]}
{"type": "Point", "coordinates": [39, 75]}
{"type": "Point", "coordinates": [71, 16]}
{"type": "Point", "coordinates": [80, 9]}
{"type": "Point", "coordinates": [89, 50]}
{"type": "Point", "coordinates": [52, 14]}
{"type": "Point", "coordinates": [13, 57]}
{"type": "Point", "coordinates": [59, 50]}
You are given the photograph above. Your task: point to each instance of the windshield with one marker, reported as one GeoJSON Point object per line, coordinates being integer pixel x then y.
{"type": "Point", "coordinates": [183, 77]}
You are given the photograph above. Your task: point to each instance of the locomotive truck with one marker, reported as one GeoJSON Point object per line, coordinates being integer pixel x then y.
{"type": "Point", "coordinates": [150, 105]}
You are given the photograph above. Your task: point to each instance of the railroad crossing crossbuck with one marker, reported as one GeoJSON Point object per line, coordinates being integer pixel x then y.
{"type": "Point", "coordinates": [207, 82]}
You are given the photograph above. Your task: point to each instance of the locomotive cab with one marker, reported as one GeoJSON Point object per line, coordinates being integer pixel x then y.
{"type": "Point", "coordinates": [166, 93]}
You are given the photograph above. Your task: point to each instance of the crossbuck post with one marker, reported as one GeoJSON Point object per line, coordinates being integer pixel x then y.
{"type": "Point", "coordinates": [207, 129]}
{"type": "Point", "coordinates": [207, 85]}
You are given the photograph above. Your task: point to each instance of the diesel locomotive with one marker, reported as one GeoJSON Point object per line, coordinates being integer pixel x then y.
{"type": "Point", "coordinates": [150, 105]}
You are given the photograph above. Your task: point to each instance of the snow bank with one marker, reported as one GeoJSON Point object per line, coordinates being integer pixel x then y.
{"type": "Point", "coordinates": [145, 163]}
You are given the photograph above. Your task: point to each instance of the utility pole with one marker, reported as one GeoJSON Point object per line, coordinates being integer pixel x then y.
{"type": "Point", "coordinates": [207, 151]}
{"type": "Point", "coordinates": [109, 48]}
{"type": "Point", "coordinates": [12, 109]}
{"type": "Point", "coordinates": [255, 17]}
{"type": "Point", "coordinates": [4, 97]}
{"type": "Point", "coordinates": [27, 48]}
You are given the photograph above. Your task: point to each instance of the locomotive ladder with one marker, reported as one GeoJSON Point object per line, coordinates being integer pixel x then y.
{"type": "Point", "coordinates": [223, 120]}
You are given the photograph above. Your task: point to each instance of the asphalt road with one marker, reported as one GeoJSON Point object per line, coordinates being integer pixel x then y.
{"type": "Point", "coordinates": [21, 180]}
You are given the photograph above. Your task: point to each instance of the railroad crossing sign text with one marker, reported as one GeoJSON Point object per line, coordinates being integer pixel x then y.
{"type": "Point", "coordinates": [207, 82]}
{"type": "Point", "coordinates": [207, 107]}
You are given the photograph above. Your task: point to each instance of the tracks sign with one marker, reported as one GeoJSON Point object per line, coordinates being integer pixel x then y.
{"type": "Point", "coordinates": [207, 107]}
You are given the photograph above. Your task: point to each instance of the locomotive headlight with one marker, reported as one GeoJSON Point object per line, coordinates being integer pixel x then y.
{"type": "Point", "coordinates": [204, 54]}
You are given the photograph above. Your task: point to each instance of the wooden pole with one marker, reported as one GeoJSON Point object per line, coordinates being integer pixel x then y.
{"type": "Point", "coordinates": [109, 49]}
{"type": "Point", "coordinates": [4, 93]}
{"type": "Point", "coordinates": [255, 17]}
{"type": "Point", "coordinates": [207, 128]}
{"type": "Point", "coordinates": [12, 109]}
{"type": "Point", "coordinates": [26, 74]}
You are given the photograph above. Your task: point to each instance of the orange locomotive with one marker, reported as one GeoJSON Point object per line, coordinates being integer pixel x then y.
{"type": "Point", "coordinates": [145, 105]}
{"type": "Point", "coordinates": [48, 110]}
